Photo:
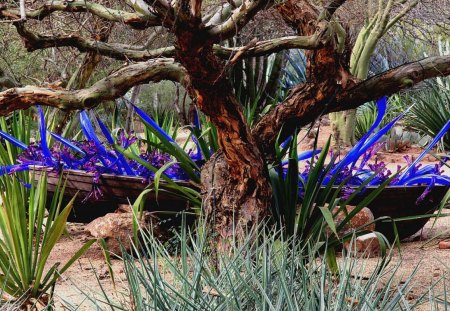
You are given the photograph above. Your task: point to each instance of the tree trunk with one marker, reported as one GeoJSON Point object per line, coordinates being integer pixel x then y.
{"type": "Point", "coordinates": [235, 180]}
{"type": "Point", "coordinates": [343, 127]}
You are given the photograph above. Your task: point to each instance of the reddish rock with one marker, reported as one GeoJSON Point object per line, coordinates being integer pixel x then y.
{"type": "Point", "coordinates": [363, 217]}
{"type": "Point", "coordinates": [444, 244]}
{"type": "Point", "coordinates": [366, 245]}
{"type": "Point", "coordinates": [117, 228]}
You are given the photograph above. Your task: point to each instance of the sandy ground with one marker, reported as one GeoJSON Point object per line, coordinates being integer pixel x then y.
{"type": "Point", "coordinates": [85, 279]}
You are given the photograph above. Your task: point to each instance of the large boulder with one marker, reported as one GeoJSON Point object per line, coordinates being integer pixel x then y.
{"type": "Point", "coordinates": [366, 245]}
{"type": "Point", "coordinates": [117, 228]}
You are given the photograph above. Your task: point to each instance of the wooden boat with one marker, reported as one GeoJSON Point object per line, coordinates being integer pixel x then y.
{"type": "Point", "coordinates": [115, 190]}
{"type": "Point", "coordinates": [394, 201]}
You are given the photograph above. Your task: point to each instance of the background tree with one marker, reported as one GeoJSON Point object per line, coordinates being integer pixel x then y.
{"type": "Point", "coordinates": [379, 18]}
{"type": "Point", "coordinates": [235, 183]}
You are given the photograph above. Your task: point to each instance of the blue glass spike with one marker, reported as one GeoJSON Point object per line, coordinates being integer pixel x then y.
{"type": "Point", "coordinates": [13, 140]}
{"type": "Point", "coordinates": [68, 143]}
{"type": "Point", "coordinates": [354, 154]}
{"type": "Point", "coordinates": [153, 124]}
{"type": "Point", "coordinates": [436, 139]}
{"type": "Point", "coordinates": [43, 134]}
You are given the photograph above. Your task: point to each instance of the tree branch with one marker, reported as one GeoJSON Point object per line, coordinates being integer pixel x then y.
{"type": "Point", "coordinates": [271, 46]}
{"type": "Point", "coordinates": [238, 19]}
{"type": "Point", "coordinates": [392, 81]}
{"type": "Point", "coordinates": [6, 81]}
{"type": "Point", "coordinates": [34, 42]}
{"type": "Point", "coordinates": [109, 88]}
{"type": "Point", "coordinates": [124, 52]}
{"type": "Point", "coordinates": [304, 105]}
{"type": "Point", "coordinates": [220, 14]}
{"type": "Point", "coordinates": [135, 20]}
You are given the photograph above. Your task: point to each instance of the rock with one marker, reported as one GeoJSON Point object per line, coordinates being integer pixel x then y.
{"type": "Point", "coordinates": [444, 244]}
{"type": "Point", "coordinates": [366, 245]}
{"type": "Point", "coordinates": [117, 228]}
{"type": "Point", "coordinates": [363, 217]}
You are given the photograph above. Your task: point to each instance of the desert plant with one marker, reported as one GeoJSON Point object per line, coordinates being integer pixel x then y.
{"type": "Point", "coordinates": [256, 84]}
{"type": "Point", "coordinates": [367, 114]}
{"type": "Point", "coordinates": [28, 237]}
{"type": "Point", "coordinates": [306, 205]}
{"type": "Point", "coordinates": [262, 272]}
{"type": "Point", "coordinates": [295, 70]}
{"type": "Point", "coordinates": [20, 125]}
{"type": "Point", "coordinates": [430, 112]}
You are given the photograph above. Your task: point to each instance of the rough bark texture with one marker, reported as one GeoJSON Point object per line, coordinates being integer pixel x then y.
{"type": "Point", "coordinates": [240, 199]}
{"type": "Point", "coordinates": [34, 41]}
{"type": "Point", "coordinates": [235, 183]}
{"type": "Point", "coordinates": [327, 74]}
{"type": "Point", "coordinates": [135, 20]}
{"type": "Point", "coordinates": [109, 88]}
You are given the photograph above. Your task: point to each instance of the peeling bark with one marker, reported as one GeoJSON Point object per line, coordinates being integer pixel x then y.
{"type": "Point", "coordinates": [33, 42]}
{"type": "Point", "coordinates": [235, 181]}
{"type": "Point", "coordinates": [327, 74]}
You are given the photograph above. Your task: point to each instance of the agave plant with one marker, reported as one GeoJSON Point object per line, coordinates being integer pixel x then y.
{"type": "Point", "coordinates": [430, 112]}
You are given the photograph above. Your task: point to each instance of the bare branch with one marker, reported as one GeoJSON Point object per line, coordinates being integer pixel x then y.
{"type": "Point", "coordinates": [330, 8]}
{"type": "Point", "coordinates": [163, 10]}
{"type": "Point", "coordinates": [125, 52]}
{"type": "Point", "coordinates": [109, 88]}
{"type": "Point", "coordinates": [196, 8]}
{"type": "Point", "coordinates": [23, 15]}
{"type": "Point", "coordinates": [135, 20]}
{"type": "Point", "coordinates": [238, 19]}
{"type": "Point", "coordinates": [6, 81]}
{"type": "Point", "coordinates": [307, 101]}
{"type": "Point", "coordinates": [220, 14]}
{"type": "Point", "coordinates": [392, 81]}
{"type": "Point", "coordinates": [114, 50]}
{"type": "Point", "coordinates": [267, 47]}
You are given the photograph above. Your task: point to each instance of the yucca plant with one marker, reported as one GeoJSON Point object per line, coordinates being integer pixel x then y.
{"type": "Point", "coordinates": [20, 125]}
{"type": "Point", "coordinates": [262, 272]}
{"type": "Point", "coordinates": [28, 237]}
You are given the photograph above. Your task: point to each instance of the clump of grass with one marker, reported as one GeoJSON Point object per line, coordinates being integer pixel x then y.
{"type": "Point", "coordinates": [262, 272]}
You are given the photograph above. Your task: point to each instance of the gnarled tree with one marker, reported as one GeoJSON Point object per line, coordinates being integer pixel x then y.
{"type": "Point", "coordinates": [235, 182]}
